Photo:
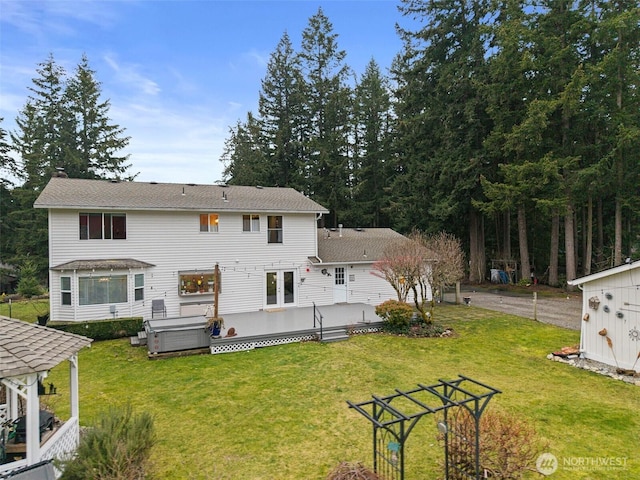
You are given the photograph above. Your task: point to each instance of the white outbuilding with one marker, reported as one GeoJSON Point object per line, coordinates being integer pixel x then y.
{"type": "Point", "coordinates": [610, 331]}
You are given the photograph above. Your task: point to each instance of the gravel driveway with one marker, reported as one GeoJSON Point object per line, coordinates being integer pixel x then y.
{"type": "Point", "coordinates": [562, 311]}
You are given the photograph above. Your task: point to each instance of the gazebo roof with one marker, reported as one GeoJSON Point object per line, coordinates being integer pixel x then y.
{"type": "Point", "coordinates": [27, 348]}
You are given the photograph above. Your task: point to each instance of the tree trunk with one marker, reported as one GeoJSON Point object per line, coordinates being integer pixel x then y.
{"type": "Point", "coordinates": [588, 251]}
{"type": "Point", "coordinates": [524, 244]}
{"type": "Point", "coordinates": [554, 251]}
{"type": "Point", "coordinates": [506, 232]}
{"type": "Point", "coordinates": [617, 252]}
{"type": "Point", "coordinates": [477, 257]}
{"type": "Point", "coordinates": [569, 243]}
{"type": "Point", "coordinates": [600, 259]}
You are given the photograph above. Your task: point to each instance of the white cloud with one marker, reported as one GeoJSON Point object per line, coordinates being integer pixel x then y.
{"type": "Point", "coordinates": [172, 144]}
{"type": "Point", "coordinates": [128, 74]}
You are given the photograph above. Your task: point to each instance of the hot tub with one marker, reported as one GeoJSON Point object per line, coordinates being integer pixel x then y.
{"type": "Point", "coordinates": [175, 334]}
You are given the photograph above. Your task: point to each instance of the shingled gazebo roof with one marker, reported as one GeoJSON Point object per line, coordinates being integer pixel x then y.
{"type": "Point", "coordinates": [27, 348]}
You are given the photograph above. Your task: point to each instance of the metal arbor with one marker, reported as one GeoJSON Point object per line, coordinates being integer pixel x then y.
{"type": "Point", "coordinates": [393, 417]}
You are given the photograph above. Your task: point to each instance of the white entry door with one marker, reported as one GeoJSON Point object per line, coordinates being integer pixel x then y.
{"type": "Point", "coordinates": [339, 285]}
{"type": "Point", "coordinates": [280, 288]}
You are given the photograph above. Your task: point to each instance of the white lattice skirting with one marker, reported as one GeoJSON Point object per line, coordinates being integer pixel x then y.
{"type": "Point", "coordinates": [259, 343]}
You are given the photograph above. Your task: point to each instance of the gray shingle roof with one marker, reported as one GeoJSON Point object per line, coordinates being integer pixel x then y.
{"type": "Point", "coordinates": [27, 348]}
{"type": "Point", "coordinates": [355, 245]}
{"type": "Point", "coordinates": [74, 193]}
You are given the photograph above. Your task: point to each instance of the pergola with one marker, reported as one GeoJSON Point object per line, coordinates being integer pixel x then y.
{"type": "Point", "coordinates": [27, 352]}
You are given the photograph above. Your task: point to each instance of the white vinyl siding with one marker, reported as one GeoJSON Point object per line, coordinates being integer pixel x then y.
{"type": "Point", "coordinates": [171, 243]}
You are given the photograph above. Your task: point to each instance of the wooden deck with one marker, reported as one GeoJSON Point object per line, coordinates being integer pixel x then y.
{"type": "Point", "coordinates": [288, 325]}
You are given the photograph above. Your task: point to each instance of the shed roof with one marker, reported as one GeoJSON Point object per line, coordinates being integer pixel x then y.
{"type": "Point", "coordinates": [28, 348]}
{"type": "Point", "coordinates": [354, 245]}
{"type": "Point", "coordinates": [605, 273]}
{"type": "Point", "coordinates": [74, 193]}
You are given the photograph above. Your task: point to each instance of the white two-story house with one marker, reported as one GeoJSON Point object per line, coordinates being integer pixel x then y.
{"type": "Point", "coordinates": [115, 247]}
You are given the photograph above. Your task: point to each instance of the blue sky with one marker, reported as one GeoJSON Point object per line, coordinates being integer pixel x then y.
{"type": "Point", "coordinates": [178, 74]}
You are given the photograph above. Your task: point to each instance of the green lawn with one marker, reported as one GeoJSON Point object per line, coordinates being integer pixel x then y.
{"type": "Point", "coordinates": [281, 412]}
{"type": "Point", "coordinates": [27, 310]}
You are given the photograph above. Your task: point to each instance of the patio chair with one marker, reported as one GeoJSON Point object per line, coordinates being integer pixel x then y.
{"type": "Point", "coordinates": [158, 308]}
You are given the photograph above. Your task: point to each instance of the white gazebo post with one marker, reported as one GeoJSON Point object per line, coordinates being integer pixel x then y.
{"type": "Point", "coordinates": [73, 386]}
{"type": "Point", "coordinates": [33, 419]}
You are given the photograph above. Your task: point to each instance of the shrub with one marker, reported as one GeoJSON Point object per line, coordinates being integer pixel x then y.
{"type": "Point", "coordinates": [116, 448]}
{"type": "Point", "coordinates": [102, 329]}
{"type": "Point", "coordinates": [352, 471]}
{"type": "Point", "coordinates": [508, 444]}
{"type": "Point", "coordinates": [395, 315]}
{"type": "Point", "coordinates": [421, 329]}
{"type": "Point", "coordinates": [28, 285]}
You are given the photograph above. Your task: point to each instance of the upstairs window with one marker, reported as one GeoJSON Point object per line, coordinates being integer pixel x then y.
{"type": "Point", "coordinates": [98, 226]}
{"type": "Point", "coordinates": [251, 223]}
{"type": "Point", "coordinates": [209, 222]}
{"type": "Point", "coordinates": [274, 229]}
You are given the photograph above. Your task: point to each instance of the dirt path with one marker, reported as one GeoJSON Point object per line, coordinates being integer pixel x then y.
{"type": "Point", "coordinates": [560, 310]}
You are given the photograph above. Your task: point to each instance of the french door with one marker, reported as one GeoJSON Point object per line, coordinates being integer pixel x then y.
{"type": "Point", "coordinates": [280, 288]}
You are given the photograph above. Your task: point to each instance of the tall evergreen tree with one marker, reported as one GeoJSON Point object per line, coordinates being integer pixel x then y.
{"type": "Point", "coordinates": [93, 152]}
{"type": "Point", "coordinates": [327, 110]}
{"type": "Point", "coordinates": [280, 109]}
{"type": "Point", "coordinates": [372, 153]}
{"type": "Point", "coordinates": [443, 119]}
{"type": "Point", "coordinates": [243, 155]}
{"type": "Point", "coordinates": [618, 78]}
{"type": "Point", "coordinates": [41, 127]}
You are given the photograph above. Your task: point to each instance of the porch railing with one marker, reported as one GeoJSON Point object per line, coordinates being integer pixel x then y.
{"type": "Point", "coordinates": [63, 442]}
{"type": "Point", "coordinates": [317, 318]}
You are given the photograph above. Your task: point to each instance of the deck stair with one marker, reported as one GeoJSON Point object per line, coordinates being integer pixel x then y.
{"type": "Point", "coordinates": [139, 340]}
{"type": "Point", "coordinates": [330, 335]}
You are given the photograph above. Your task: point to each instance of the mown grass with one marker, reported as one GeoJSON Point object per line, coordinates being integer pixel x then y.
{"type": "Point", "coordinates": [26, 310]}
{"type": "Point", "coordinates": [281, 412]}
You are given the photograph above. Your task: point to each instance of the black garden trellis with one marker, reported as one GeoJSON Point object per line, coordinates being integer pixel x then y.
{"type": "Point", "coordinates": [393, 417]}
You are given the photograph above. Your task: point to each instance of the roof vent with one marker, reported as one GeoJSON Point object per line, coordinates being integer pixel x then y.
{"type": "Point", "coordinates": [115, 180]}
{"type": "Point", "coordinates": [153, 183]}
{"type": "Point", "coordinates": [259, 187]}
{"type": "Point", "coordinates": [191, 185]}
{"type": "Point", "coordinates": [359, 229]}
{"type": "Point", "coordinates": [60, 173]}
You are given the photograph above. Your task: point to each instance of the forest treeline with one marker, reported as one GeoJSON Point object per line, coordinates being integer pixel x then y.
{"type": "Point", "coordinates": [513, 125]}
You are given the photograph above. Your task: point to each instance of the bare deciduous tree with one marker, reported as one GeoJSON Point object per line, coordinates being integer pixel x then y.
{"type": "Point", "coordinates": [419, 263]}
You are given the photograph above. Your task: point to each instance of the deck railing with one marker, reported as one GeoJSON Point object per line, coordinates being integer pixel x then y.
{"type": "Point", "coordinates": [317, 318]}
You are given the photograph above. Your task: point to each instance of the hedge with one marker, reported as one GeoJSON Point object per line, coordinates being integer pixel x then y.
{"type": "Point", "coordinates": [102, 329]}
